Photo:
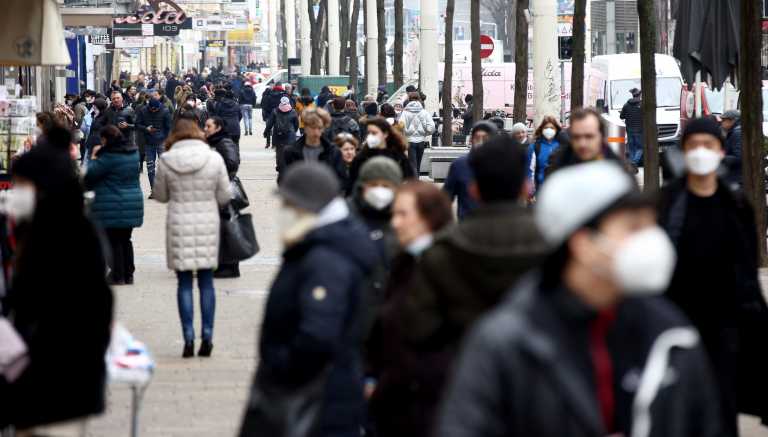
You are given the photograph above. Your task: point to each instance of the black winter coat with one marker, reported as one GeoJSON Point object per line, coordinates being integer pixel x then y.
{"type": "Point", "coordinates": [247, 96]}
{"type": "Point", "coordinates": [310, 319]}
{"type": "Point", "coordinates": [228, 150]}
{"type": "Point", "coordinates": [94, 136]}
{"type": "Point", "coordinates": [733, 154]}
{"type": "Point", "coordinates": [127, 115]}
{"type": "Point", "coordinates": [341, 122]}
{"type": "Point", "coordinates": [368, 153]}
{"type": "Point", "coordinates": [159, 119]}
{"type": "Point", "coordinates": [742, 307]}
{"type": "Point", "coordinates": [290, 123]}
{"type": "Point", "coordinates": [525, 370]}
{"type": "Point", "coordinates": [331, 156]}
{"type": "Point", "coordinates": [632, 114]}
{"type": "Point", "coordinates": [229, 110]}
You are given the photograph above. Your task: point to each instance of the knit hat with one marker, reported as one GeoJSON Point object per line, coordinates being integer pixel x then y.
{"type": "Point", "coordinates": [309, 186]}
{"type": "Point", "coordinates": [704, 125]}
{"type": "Point", "coordinates": [285, 104]}
{"type": "Point", "coordinates": [381, 168]}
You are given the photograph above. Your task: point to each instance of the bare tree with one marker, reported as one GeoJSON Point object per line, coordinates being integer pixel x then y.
{"type": "Point", "coordinates": [647, 16]}
{"type": "Point", "coordinates": [477, 68]}
{"type": "Point", "coordinates": [397, 65]}
{"type": "Point", "coordinates": [447, 138]}
{"type": "Point", "coordinates": [353, 45]}
{"type": "Point", "coordinates": [521, 63]}
{"type": "Point", "coordinates": [317, 31]}
{"type": "Point", "coordinates": [382, 35]}
{"type": "Point", "coordinates": [284, 32]}
{"type": "Point", "coordinates": [344, 35]}
{"type": "Point", "coordinates": [578, 55]}
{"type": "Point", "coordinates": [751, 117]}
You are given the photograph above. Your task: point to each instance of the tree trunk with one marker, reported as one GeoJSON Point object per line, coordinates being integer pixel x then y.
{"type": "Point", "coordinates": [521, 63]}
{"type": "Point", "coordinates": [447, 138]}
{"type": "Point", "coordinates": [477, 68]}
{"type": "Point", "coordinates": [366, 73]}
{"type": "Point", "coordinates": [353, 45]}
{"type": "Point", "coordinates": [751, 117]}
{"type": "Point", "coordinates": [284, 32]}
{"type": "Point", "coordinates": [344, 36]}
{"type": "Point", "coordinates": [317, 26]}
{"type": "Point", "coordinates": [647, 16]}
{"type": "Point", "coordinates": [382, 24]}
{"type": "Point", "coordinates": [577, 59]}
{"type": "Point", "coordinates": [397, 65]}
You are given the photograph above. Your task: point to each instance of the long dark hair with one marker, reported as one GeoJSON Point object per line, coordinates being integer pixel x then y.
{"type": "Point", "coordinates": [395, 141]}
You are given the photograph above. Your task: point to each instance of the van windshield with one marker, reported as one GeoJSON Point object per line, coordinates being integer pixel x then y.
{"type": "Point", "coordinates": [667, 91]}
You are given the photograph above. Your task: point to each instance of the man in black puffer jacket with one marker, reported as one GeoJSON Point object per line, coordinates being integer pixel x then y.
{"type": "Point", "coordinates": [224, 106]}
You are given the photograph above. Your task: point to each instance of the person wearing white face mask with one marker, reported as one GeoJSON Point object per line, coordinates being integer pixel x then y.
{"type": "Point", "coordinates": [382, 139]}
{"type": "Point", "coordinates": [584, 340]}
{"type": "Point", "coordinates": [716, 278]}
{"type": "Point", "coordinates": [309, 333]}
{"type": "Point", "coordinates": [420, 211]}
{"type": "Point", "coordinates": [539, 152]}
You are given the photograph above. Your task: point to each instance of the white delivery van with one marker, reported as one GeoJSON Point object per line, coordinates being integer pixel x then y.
{"type": "Point", "coordinates": [612, 76]}
{"type": "Point", "coordinates": [279, 76]}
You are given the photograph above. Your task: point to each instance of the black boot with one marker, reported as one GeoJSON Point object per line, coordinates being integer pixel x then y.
{"type": "Point", "coordinates": [206, 347]}
{"type": "Point", "coordinates": [189, 350]}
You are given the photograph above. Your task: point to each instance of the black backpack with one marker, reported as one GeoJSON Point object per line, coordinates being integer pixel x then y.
{"type": "Point", "coordinates": [282, 125]}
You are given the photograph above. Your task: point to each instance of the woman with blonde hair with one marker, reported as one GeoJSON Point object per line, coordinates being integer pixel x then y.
{"type": "Point", "coordinates": [193, 180]}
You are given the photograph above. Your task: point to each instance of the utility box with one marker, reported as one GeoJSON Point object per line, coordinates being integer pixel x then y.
{"type": "Point", "coordinates": [338, 84]}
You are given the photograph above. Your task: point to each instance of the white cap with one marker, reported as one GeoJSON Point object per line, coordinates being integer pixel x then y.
{"type": "Point", "coordinates": [519, 127]}
{"type": "Point", "coordinates": [575, 195]}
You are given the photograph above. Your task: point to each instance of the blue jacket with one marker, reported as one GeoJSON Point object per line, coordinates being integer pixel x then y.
{"type": "Point", "coordinates": [542, 149]}
{"type": "Point", "coordinates": [310, 319]}
{"type": "Point", "coordinates": [114, 177]}
{"type": "Point", "coordinates": [456, 185]}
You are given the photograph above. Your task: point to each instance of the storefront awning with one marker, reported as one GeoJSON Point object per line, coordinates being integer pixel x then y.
{"type": "Point", "coordinates": [32, 33]}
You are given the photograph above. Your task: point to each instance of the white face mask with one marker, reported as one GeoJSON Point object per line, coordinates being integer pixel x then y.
{"type": "Point", "coordinates": [20, 203]}
{"type": "Point", "coordinates": [548, 133]}
{"type": "Point", "coordinates": [644, 263]}
{"type": "Point", "coordinates": [374, 141]}
{"type": "Point", "coordinates": [702, 161]}
{"type": "Point", "coordinates": [379, 197]}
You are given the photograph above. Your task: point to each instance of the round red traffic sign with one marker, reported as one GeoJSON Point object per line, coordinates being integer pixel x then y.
{"type": "Point", "coordinates": [486, 46]}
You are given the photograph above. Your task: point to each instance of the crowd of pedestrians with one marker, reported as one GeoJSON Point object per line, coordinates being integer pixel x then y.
{"type": "Point", "coordinates": [557, 299]}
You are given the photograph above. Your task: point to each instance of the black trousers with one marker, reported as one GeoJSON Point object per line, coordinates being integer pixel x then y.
{"type": "Point", "coordinates": [121, 266]}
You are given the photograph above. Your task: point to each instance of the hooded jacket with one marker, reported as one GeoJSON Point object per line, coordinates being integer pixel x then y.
{"type": "Point", "coordinates": [228, 150]}
{"type": "Point", "coordinates": [525, 370]}
{"type": "Point", "coordinates": [114, 178]}
{"type": "Point", "coordinates": [311, 317]}
{"type": "Point", "coordinates": [247, 96]}
{"type": "Point", "coordinates": [341, 122]}
{"type": "Point", "coordinates": [289, 121]}
{"type": "Point", "coordinates": [229, 110]}
{"type": "Point", "coordinates": [418, 124]}
{"type": "Point", "coordinates": [193, 180]}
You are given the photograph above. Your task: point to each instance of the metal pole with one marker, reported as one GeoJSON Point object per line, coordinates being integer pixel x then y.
{"type": "Point", "coordinates": [372, 54]}
{"type": "Point", "coordinates": [334, 44]}
{"type": "Point", "coordinates": [290, 27]}
{"type": "Point", "coordinates": [429, 54]}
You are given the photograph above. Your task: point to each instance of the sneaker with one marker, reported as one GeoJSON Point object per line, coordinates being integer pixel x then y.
{"type": "Point", "coordinates": [206, 347]}
{"type": "Point", "coordinates": [189, 350]}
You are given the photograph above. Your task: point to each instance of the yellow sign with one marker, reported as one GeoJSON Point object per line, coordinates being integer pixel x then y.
{"type": "Point", "coordinates": [338, 89]}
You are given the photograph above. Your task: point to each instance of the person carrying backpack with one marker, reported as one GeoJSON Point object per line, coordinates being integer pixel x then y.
{"type": "Point", "coordinates": [282, 127]}
{"type": "Point", "coordinates": [341, 122]}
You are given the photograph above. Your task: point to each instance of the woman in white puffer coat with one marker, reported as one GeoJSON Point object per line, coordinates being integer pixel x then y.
{"type": "Point", "coordinates": [193, 180]}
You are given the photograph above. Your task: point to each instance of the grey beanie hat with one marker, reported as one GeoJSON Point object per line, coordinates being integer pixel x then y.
{"type": "Point", "coordinates": [381, 167]}
{"type": "Point", "coordinates": [731, 114]}
{"type": "Point", "coordinates": [309, 185]}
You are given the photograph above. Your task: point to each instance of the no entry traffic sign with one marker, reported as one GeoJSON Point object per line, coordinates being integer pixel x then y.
{"type": "Point", "coordinates": [486, 46]}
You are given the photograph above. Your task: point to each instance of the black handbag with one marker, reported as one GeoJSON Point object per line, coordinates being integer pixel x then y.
{"type": "Point", "coordinates": [276, 411]}
{"type": "Point", "coordinates": [239, 196]}
{"type": "Point", "coordinates": [238, 238]}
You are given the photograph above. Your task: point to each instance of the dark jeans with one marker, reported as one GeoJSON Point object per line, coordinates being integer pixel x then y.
{"type": "Point", "coordinates": [121, 267]}
{"type": "Point", "coordinates": [186, 305]}
{"type": "Point", "coordinates": [153, 153]}
{"type": "Point", "coordinates": [279, 160]}
{"type": "Point", "coordinates": [236, 139]}
{"type": "Point", "coordinates": [415, 153]}
{"type": "Point", "coordinates": [635, 148]}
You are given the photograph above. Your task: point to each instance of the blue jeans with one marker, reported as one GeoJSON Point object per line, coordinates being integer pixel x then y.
{"type": "Point", "coordinates": [153, 152]}
{"type": "Point", "coordinates": [247, 111]}
{"type": "Point", "coordinates": [186, 305]}
{"type": "Point", "coordinates": [635, 148]}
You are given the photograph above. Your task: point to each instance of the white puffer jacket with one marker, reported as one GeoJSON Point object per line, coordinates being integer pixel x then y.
{"type": "Point", "coordinates": [418, 125]}
{"type": "Point", "coordinates": [193, 180]}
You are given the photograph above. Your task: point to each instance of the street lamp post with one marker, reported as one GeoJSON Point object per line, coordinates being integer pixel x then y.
{"type": "Point", "coordinates": [372, 54]}
{"type": "Point", "coordinates": [429, 54]}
